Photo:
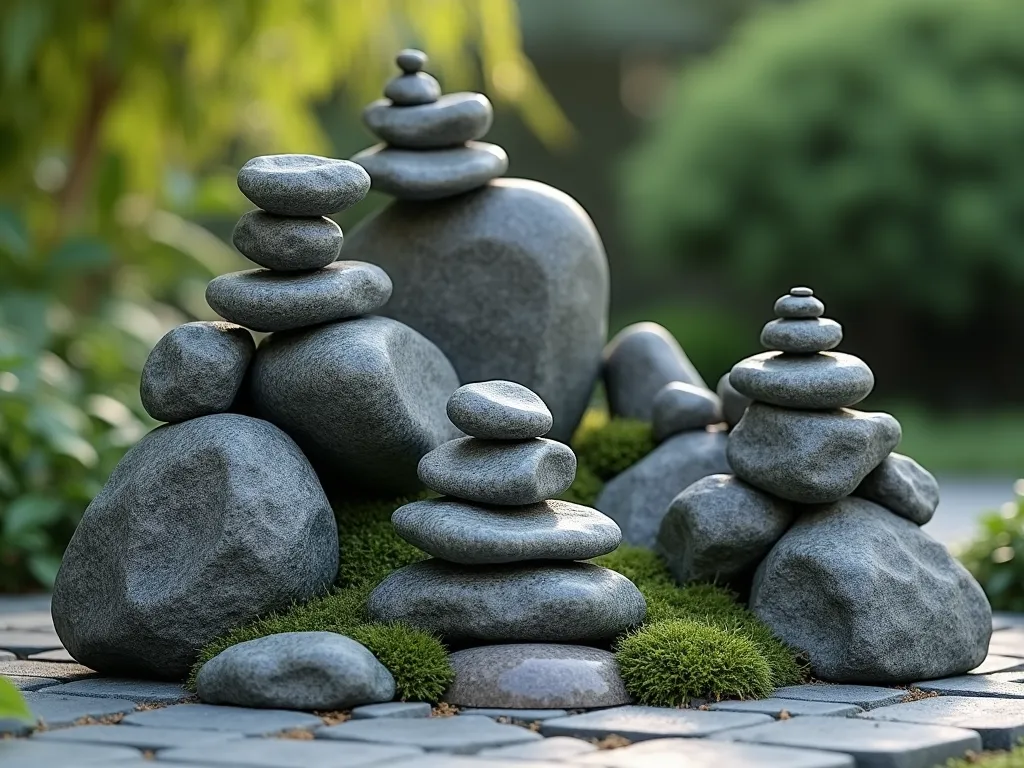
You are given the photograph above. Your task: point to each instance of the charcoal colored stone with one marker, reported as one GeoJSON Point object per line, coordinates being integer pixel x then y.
{"type": "Point", "coordinates": [811, 457]}
{"type": "Point", "coordinates": [783, 708]}
{"type": "Point", "coordinates": [196, 370]}
{"type": "Point", "coordinates": [296, 670]}
{"type": "Point", "coordinates": [499, 410]}
{"type": "Point", "coordinates": [642, 723]}
{"type": "Point", "coordinates": [265, 300]}
{"type": "Point", "coordinates": [23, 753]}
{"type": "Point", "coordinates": [799, 305]}
{"type": "Point", "coordinates": [302, 185]}
{"type": "Point", "coordinates": [416, 89]}
{"type": "Point", "coordinates": [863, 696]}
{"type": "Point", "coordinates": [365, 399]}
{"type": "Point", "coordinates": [638, 363]}
{"type": "Point", "coordinates": [154, 739]}
{"type": "Point", "coordinates": [813, 382]}
{"type": "Point", "coordinates": [450, 120]}
{"type": "Point", "coordinates": [999, 722]}
{"type": "Point", "coordinates": [287, 243]}
{"type": "Point", "coordinates": [495, 472]}
{"type": "Point", "coordinates": [902, 486]}
{"type": "Point", "coordinates": [139, 691]}
{"type": "Point", "coordinates": [556, 748]}
{"type": "Point", "coordinates": [679, 407]}
{"type": "Point", "coordinates": [54, 710]}
{"type": "Point", "coordinates": [871, 598]}
{"type": "Point", "coordinates": [719, 529]}
{"type": "Point", "coordinates": [802, 336]}
{"type": "Point", "coordinates": [476, 535]}
{"type": "Point", "coordinates": [392, 709]}
{"type": "Point", "coordinates": [464, 735]}
{"type": "Point", "coordinates": [208, 717]}
{"type": "Point", "coordinates": [202, 527]}
{"type": "Point", "coordinates": [703, 753]}
{"type": "Point", "coordinates": [536, 676]}
{"type": "Point", "coordinates": [519, 603]}
{"type": "Point", "coordinates": [638, 498]}
{"type": "Point", "coordinates": [734, 405]}
{"type": "Point", "coordinates": [431, 174]}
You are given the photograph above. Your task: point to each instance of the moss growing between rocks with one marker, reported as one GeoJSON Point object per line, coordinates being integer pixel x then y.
{"type": "Point", "coordinates": [370, 548]}
{"type": "Point", "coordinates": [417, 660]}
{"type": "Point", "coordinates": [608, 449]}
{"type": "Point", "coordinates": [639, 565]}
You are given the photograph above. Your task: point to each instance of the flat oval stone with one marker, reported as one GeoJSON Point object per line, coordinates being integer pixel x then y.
{"type": "Point", "coordinates": [536, 676]}
{"type": "Point", "coordinates": [679, 407]}
{"type": "Point", "coordinates": [460, 532]}
{"type": "Point", "coordinates": [503, 473]}
{"type": "Point", "coordinates": [803, 336]}
{"type": "Point", "coordinates": [799, 306]}
{"type": "Point", "coordinates": [432, 174]}
{"type": "Point", "coordinates": [274, 301]}
{"type": "Point", "coordinates": [287, 243]}
{"type": "Point", "coordinates": [453, 119]}
{"type": "Point", "coordinates": [412, 90]}
{"type": "Point", "coordinates": [816, 382]}
{"type": "Point", "coordinates": [302, 185]}
{"type": "Point", "coordinates": [499, 410]}
{"type": "Point", "coordinates": [517, 603]}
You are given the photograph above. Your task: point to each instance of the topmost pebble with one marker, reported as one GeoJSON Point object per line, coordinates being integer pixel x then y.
{"type": "Point", "coordinates": [499, 410]}
{"type": "Point", "coordinates": [411, 61]}
{"type": "Point", "coordinates": [413, 87]}
{"type": "Point", "coordinates": [303, 185]}
{"type": "Point", "coordinates": [799, 303]}
{"type": "Point", "coordinates": [800, 328]}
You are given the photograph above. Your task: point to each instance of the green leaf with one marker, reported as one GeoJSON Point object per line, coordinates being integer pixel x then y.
{"type": "Point", "coordinates": [12, 704]}
{"type": "Point", "coordinates": [30, 511]}
{"type": "Point", "coordinates": [80, 254]}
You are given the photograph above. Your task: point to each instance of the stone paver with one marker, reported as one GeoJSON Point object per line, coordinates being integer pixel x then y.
{"type": "Point", "coordinates": [54, 710]}
{"type": "Point", "coordinates": [999, 722]}
{"type": "Point", "coordinates": [794, 707]}
{"type": "Point", "coordinates": [463, 735]}
{"type": "Point", "coordinates": [555, 748]}
{"type": "Point", "coordinates": [206, 717]}
{"type": "Point", "coordinates": [291, 753]}
{"type": "Point", "coordinates": [516, 715]}
{"type": "Point", "coordinates": [61, 654]}
{"type": "Point", "coordinates": [139, 691]}
{"type": "Point", "coordinates": [7, 656]}
{"type": "Point", "coordinates": [25, 753]}
{"type": "Point", "coordinates": [638, 723]}
{"type": "Point", "coordinates": [863, 696]}
{"type": "Point", "coordinates": [1001, 620]}
{"type": "Point", "coordinates": [1005, 642]}
{"type": "Point", "coordinates": [400, 709]}
{"type": "Point", "coordinates": [1001, 685]}
{"type": "Point", "coordinates": [31, 683]}
{"type": "Point", "coordinates": [51, 669]}
{"type": "Point", "coordinates": [24, 604]}
{"type": "Point", "coordinates": [22, 643]}
{"type": "Point", "coordinates": [140, 738]}
{"type": "Point", "coordinates": [439, 760]}
{"type": "Point", "coordinates": [704, 753]}
{"type": "Point", "coordinates": [871, 744]}
{"type": "Point", "coordinates": [32, 621]}
{"type": "Point", "coordinates": [995, 663]}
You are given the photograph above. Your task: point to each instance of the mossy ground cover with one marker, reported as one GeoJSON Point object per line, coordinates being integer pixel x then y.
{"type": "Point", "coordinates": [1011, 759]}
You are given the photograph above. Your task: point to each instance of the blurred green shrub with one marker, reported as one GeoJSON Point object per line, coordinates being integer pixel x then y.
{"type": "Point", "coordinates": [996, 555]}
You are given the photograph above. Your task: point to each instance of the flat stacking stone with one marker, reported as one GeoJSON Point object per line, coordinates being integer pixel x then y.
{"type": "Point", "coordinates": [999, 722]}
{"type": "Point", "coordinates": [35, 754]}
{"type": "Point", "coordinates": [465, 533]}
{"type": "Point", "coordinates": [556, 748]}
{"type": "Point", "coordinates": [719, 529]}
{"type": "Point", "coordinates": [290, 753]}
{"type": "Point", "coordinates": [296, 670]}
{"type": "Point", "coordinates": [791, 707]}
{"type": "Point", "coordinates": [54, 710]}
{"type": "Point", "coordinates": [499, 472]}
{"type": "Point", "coordinates": [140, 738]}
{"type": "Point", "coordinates": [30, 683]}
{"type": "Point", "coordinates": [734, 405]}
{"type": "Point", "coordinates": [286, 243]}
{"type": "Point", "coordinates": [536, 676]}
{"type": "Point", "coordinates": [902, 486]}
{"type": "Point", "coordinates": [813, 382]}
{"type": "Point", "coordinates": [802, 336]}
{"type": "Point", "coordinates": [1003, 685]}
{"type": "Point", "coordinates": [543, 603]}
{"type": "Point", "coordinates": [451, 120]}
{"type": "Point", "coordinates": [139, 691]}
{"type": "Point", "coordinates": [411, 90]}
{"type": "Point", "coordinates": [302, 185]}
{"type": "Point", "coordinates": [799, 305]}
{"type": "Point", "coordinates": [207, 717]}
{"type": "Point", "coordinates": [701, 753]}
{"type": "Point", "coordinates": [863, 696]}
{"type": "Point", "coordinates": [265, 300]}
{"type": "Point", "coordinates": [435, 173]}
{"type": "Point", "coordinates": [907, 609]}
{"type": "Point", "coordinates": [499, 410]}
{"type": "Point", "coordinates": [638, 363]}
{"type": "Point", "coordinates": [220, 519]}
{"type": "Point", "coordinates": [395, 709]}
{"type": "Point", "coordinates": [195, 370]}
{"type": "Point", "coordinates": [643, 723]}
{"type": "Point", "coordinates": [812, 457]}
{"type": "Point", "coordinates": [514, 714]}
{"type": "Point", "coordinates": [638, 499]}
{"type": "Point", "coordinates": [679, 407]}
{"type": "Point", "coordinates": [464, 735]}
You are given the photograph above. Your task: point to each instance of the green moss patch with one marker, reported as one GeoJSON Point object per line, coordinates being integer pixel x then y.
{"type": "Point", "coordinates": [609, 447]}
{"type": "Point", "coordinates": [417, 660]}
{"type": "Point", "coordinates": [370, 548]}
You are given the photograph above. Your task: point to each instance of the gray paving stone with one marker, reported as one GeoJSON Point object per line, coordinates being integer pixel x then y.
{"type": "Point", "coordinates": [640, 723]}
{"type": "Point", "coordinates": [31, 683]}
{"type": "Point", "coordinates": [463, 735]}
{"type": "Point", "coordinates": [24, 603]}
{"type": "Point", "coordinates": [207, 717]}
{"type": "Point", "coordinates": [7, 656]}
{"type": "Point", "coordinates": [1005, 642]}
{"type": "Point", "coordinates": [703, 753]}
{"type": "Point", "coordinates": [139, 691]}
{"type": "Point", "coordinates": [519, 715]}
{"type": "Point", "coordinates": [54, 710]}
{"type": "Point", "coordinates": [555, 748]}
{"type": "Point", "coordinates": [61, 654]}
{"type": "Point", "coordinates": [440, 760]}
{"type": "Point", "coordinates": [1001, 620]}
{"type": "Point", "coordinates": [871, 744]}
{"type": "Point", "coordinates": [22, 643]}
{"type": "Point", "coordinates": [863, 696]}
{"type": "Point", "coordinates": [291, 753]}
{"type": "Point", "coordinates": [400, 709]}
{"type": "Point", "coordinates": [1005, 685]}
{"type": "Point", "coordinates": [793, 707]}
{"type": "Point", "coordinates": [32, 754]}
{"type": "Point", "coordinates": [996, 663]}
{"type": "Point", "coordinates": [140, 738]}
{"type": "Point", "coordinates": [51, 669]}
{"type": "Point", "coordinates": [30, 621]}
{"type": "Point", "coordinates": [999, 722]}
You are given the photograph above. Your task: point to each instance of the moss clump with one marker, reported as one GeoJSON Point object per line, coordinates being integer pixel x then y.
{"type": "Point", "coordinates": [370, 548]}
{"type": "Point", "coordinates": [639, 565]}
{"type": "Point", "coordinates": [417, 660]}
{"type": "Point", "coordinates": [610, 448]}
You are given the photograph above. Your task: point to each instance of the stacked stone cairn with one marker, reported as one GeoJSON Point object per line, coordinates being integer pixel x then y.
{"type": "Point", "coordinates": [819, 521]}
{"type": "Point", "coordinates": [505, 567]}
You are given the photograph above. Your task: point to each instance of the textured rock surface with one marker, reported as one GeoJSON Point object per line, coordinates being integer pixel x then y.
{"type": "Point", "coordinates": [296, 670]}
{"type": "Point", "coordinates": [903, 486]}
{"type": "Point", "coordinates": [871, 598]}
{"type": "Point", "coordinates": [828, 380]}
{"type": "Point", "coordinates": [278, 301]}
{"type": "Point", "coordinates": [472, 534]}
{"type": "Point", "coordinates": [448, 121]}
{"type": "Point", "coordinates": [302, 185]}
{"type": "Point", "coordinates": [802, 336]}
{"type": "Point", "coordinates": [499, 410]}
{"type": "Point", "coordinates": [813, 457]}
{"type": "Point", "coordinates": [510, 281]}
{"type": "Point", "coordinates": [364, 398]}
{"type": "Point", "coordinates": [734, 405]}
{"type": "Point", "coordinates": [202, 527]}
{"type": "Point", "coordinates": [287, 243]}
{"type": "Point", "coordinates": [542, 603]}
{"type": "Point", "coordinates": [679, 407]}
{"type": "Point", "coordinates": [536, 675]}
{"type": "Point", "coordinates": [638, 498]}
{"type": "Point", "coordinates": [195, 370]}
{"type": "Point", "coordinates": [499, 472]}
{"type": "Point", "coordinates": [799, 303]}
{"type": "Point", "coordinates": [719, 529]}
{"type": "Point", "coordinates": [432, 174]}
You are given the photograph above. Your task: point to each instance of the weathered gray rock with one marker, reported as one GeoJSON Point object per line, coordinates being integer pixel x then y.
{"type": "Point", "coordinates": [473, 534]}
{"type": "Point", "coordinates": [536, 675]}
{"type": "Point", "coordinates": [719, 529]}
{"type": "Point", "coordinates": [195, 370]}
{"type": "Point", "coordinates": [813, 457]}
{"type": "Point", "coordinates": [802, 336]}
{"type": "Point", "coordinates": [287, 243]}
{"type": "Point", "coordinates": [302, 185]}
{"type": "Point", "coordinates": [638, 362]}
{"type": "Point", "coordinates": [638, 498]}
{"type": "Point", "coordinates": [734, 405]}
{"type": "Point", "coordinates": [450, 120]}
{"type": "Point", "coordinates": [811, 382]}
{"type": "Point", "coordinates": [265, 300]}
{"type": "Point", "coordinates": [412, 90]}
{"type": "Point", "coordinates": [679, 407]}
{"type": "Point", "coordinates": [519, 603]}
{"type": "Point", "coordinates": [510, 281]}
{"type": "Point", "coordinates": [871, 598]}
{"type": "Point", "coordinates": [202, 527]}
{"type": "Point", "coordinates": [499, 410]}
{"type": "Point", "coordinates": [411, 60]}
{"type": "Point", "coordinates": [431, 174]}
{"type": "Point", "coordinates": [296, 670]}
{"type": "Point", "coordinates": [800, 302]}
{"type": "Point", "coordinates": [364, 398]}
{"type": "Point", "coordinates": [903, 486]}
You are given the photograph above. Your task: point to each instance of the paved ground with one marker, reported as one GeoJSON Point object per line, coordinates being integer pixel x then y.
{"type": "Point", "coordinates": [963, 499]}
